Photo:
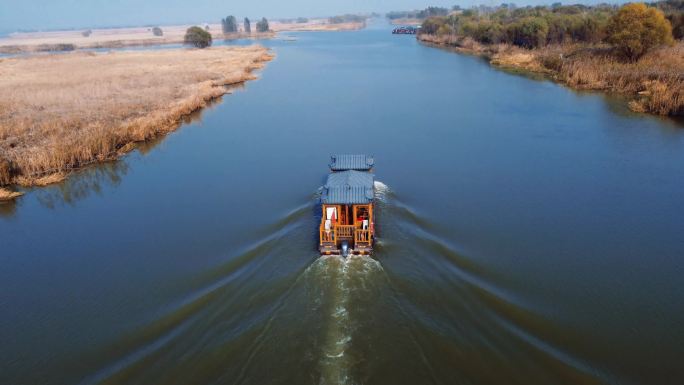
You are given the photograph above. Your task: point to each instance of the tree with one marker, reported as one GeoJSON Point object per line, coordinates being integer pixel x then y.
{"type": "Point", "coordinates": [530, 32]}
{"type": "Point", "coordinates": [87, 33]}
{"type": "Point", "coordinates": [198, 37]}
{"type": "Point", "coordinates": [156, 31]}
{"type": "Point", "coordinates": [262, 25]}
{"type": "Point", "coordinates": [229, 24]}
{"type": "Point", "coordinates": [248, 25]}
{"type": "Point", "coordinates": [636, 28]}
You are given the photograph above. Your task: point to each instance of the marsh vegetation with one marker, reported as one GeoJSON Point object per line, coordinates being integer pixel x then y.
{"type": "Point", "coordinates": [61, 112]}
{"type": "Point", "coordinates": [633, 49]}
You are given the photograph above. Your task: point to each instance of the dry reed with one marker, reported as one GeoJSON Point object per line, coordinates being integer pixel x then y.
{"type": "Point", "coordinates": [61, 112]}
{"type": "Point", "coordinates": [655, 82]}
{"type": "Point", "coordinates": [6, 195]}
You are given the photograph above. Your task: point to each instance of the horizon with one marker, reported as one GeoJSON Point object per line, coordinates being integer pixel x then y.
{"type": "Point", "coordinates": [42, 15]}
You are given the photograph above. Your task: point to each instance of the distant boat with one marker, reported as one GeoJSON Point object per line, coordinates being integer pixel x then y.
{"type": "Point", "coordinates": [405, 30]}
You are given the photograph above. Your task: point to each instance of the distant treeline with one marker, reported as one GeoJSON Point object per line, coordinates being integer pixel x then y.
{"type": "Point", "coordinates": [538, 26]}
{"type": "Point", "coordinates": [420, 14]}
{"type": "Point", "coordinates": [347, 19]}
{"type": "Point", "coordinates": [299, 20]}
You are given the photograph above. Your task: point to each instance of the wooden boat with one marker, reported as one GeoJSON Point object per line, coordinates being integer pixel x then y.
{"type": "Point", "coordinates": [347, 225]}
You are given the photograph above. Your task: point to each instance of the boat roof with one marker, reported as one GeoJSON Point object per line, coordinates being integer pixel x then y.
{"type": "Point", "coordinates": [343, 162]}
{"type": "Point", "coordinates": [348, 188]}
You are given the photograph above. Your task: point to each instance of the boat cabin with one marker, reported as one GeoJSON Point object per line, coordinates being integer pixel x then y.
{"type": "Point", "coordinates": [347, 225]}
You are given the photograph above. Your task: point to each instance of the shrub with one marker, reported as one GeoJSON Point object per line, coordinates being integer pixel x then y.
{"type": "Point", "coordinates": [431, 25]}
{"type": "Point", "coordinates": [636, 28]}
{"type": "Point", "coordinates": [490, 33]}
{"type": "Point", "coordinates": [5, 172]}
{"type": "Point", "coordinates": [302, 20]}
{"type": "Point", "coordinates": [156, 31]}
{"type": "Point", "coordinates": [87, 33]}
{"type": "Point", "coordinates": [677, 21]}
{"type": "Point", "coordinates": [198, 37]}
{"type": "Point", "coordinates": [529, 32]}
{"type": "Point", "coordinates": [262, 25]}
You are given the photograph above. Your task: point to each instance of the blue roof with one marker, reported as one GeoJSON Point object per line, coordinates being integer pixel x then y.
{"type": "Point", "coordinates": [345, 162]}
{"type": "Point", "coordinates": [348, 188]}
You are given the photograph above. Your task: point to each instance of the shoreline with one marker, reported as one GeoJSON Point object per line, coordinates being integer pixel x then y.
{"type": "Point", "coordinates": [73, 40]}
{"type": "Point", "coordinates": [46, 136]}
{"type": "Point", "coordinates": [658, 91]}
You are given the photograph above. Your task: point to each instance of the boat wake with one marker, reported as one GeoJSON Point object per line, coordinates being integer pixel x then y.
{"type": "Point", "coordinates": [335, 282]}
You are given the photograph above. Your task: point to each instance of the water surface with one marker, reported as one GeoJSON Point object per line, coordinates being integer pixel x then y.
{"type": "Point", "coordinates": [528, 234]}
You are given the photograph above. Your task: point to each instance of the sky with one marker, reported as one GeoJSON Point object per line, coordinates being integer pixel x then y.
{"type": "Point", "coordinates": [55, 14]}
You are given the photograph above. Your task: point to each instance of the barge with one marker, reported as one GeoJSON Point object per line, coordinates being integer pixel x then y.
{"type": "Point", "coordinates": [347, 199]}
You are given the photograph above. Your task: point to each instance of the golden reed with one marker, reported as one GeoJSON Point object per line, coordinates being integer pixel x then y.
{"type": "Point", "coordinates": [61, 112]}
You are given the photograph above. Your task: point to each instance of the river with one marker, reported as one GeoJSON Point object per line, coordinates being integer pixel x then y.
{"type": "Point", "coordinates": [528, 234]}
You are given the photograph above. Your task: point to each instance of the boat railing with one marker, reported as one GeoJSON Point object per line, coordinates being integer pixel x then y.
{"type": "Point", "coordinates": [344, 231]}
{"type": "Point", "coordinates": [362, 236]}
{"type": "Point", "coordinates": [327, 236]}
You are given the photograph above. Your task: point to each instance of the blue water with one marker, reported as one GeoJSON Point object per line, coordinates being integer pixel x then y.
{"type": "Point", "coordinates": [528, 234]}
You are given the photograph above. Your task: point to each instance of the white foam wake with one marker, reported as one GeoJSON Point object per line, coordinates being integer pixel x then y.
{"type": "Point", "coordinates": [339, 277]}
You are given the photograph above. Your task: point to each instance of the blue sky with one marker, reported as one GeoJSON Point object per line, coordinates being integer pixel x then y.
{"type": "Point", "coordinates": [51, 14]}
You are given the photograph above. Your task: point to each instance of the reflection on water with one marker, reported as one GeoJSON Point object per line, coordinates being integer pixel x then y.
{"type": "Point", "coordinates": [93, 178]}
{"type": "Point", "coordinates": [616, 103]}
{"type": "Point", "coordinates": [8, 208]}
{"type": "Point", "coordinates": [83, 183]}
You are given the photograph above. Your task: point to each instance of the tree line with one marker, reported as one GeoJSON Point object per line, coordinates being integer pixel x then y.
{"type": "Point", "coordinates": [420, 14]}
{"type": "Point", "coordinates": [633, 28]}
{"type": "Point", "coordinates": [348, 18]}
{"type": "Point", "coordinates": [230, 25]}
{"type": "Point", "coordinates": [201, 38]}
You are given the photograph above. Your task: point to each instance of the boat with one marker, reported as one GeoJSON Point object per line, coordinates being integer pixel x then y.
{"type": "Point", "coordinates": [347, 223]}
{"type": "Point", "coordinates": [410, 30]}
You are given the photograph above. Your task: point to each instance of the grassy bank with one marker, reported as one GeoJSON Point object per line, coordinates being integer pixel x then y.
{"type": "Point", "coordinates": [61, 112]}
{"type": "Point", "coordinates": [655, 82]}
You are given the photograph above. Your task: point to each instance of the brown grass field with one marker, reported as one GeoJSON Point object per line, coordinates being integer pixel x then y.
{"type": "Point", "coordinates": [138, 36]}
{"type": "Point", "coordinates": [655, 82]}
{"type": "Point", "coordinates": [61, 112]}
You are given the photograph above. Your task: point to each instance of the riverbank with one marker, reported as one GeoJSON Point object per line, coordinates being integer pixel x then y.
{"type": "Point", "coordinates": [61, 112]}
{"type": "Point", "coordinates": [654, 83]}
{"type": "Point", "coordinates": [55, 41]}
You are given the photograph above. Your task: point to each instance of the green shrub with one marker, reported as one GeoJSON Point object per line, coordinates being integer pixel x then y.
{"type": "Point", "coordinates": [198, 37]}
{"type": "Point", "coordinates": [530, 32]}
{"type": "Point", "coordinates": [431, 25]}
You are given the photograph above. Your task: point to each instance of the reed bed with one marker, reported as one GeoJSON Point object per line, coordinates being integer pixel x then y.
{"type": "Point", "coordinates": [61, 112]}
{"type": "Point", "coordinates": [655, 82]}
